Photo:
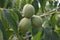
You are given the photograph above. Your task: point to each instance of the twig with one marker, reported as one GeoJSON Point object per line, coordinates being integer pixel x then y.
{"type": "Point", "coordinates": [50, 12]}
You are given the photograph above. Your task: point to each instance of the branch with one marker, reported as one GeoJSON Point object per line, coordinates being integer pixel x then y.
{"type": "Point", "coordinates": [50, 12]}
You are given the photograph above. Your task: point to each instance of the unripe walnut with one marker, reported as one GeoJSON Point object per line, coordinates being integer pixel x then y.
{"type": "Point", "coordinates": [36, 21]}
{"type": "Point", "coordinates": [28, 10]}
{"type": "Point", "coordinates": [24, 25]}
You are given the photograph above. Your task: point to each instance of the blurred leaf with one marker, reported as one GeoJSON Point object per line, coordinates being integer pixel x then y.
{"type": "Point", "coordinates": [51, 4]}
{"type": "Point", "coordinates": [47, 33]}
{"type": "Point", "coordinates": [17, 4]}
{"type": "Point", "coordinates": [6, 17]}
{"type": "Point", "coordinates": [4, 21]}
{"type": "Point", "coordinates": [35, 31]}
{"type": "Point", "coordinates": [29, 1]}
{"type": "Point", "coordinates": [14, 15]}
{"type": "Point", "coordinates": [2, 3]}
{"type": "Point", "coordinates": [57, 30]}
{"type": "Point", "coordinates": [55, 36]}
{"type": "Point", "coordinates": [13, 37]}
{"type": "Point", "coordinates": [22, 3]}
{"type": "Point", "coordinates": [50, 34]}
{"type": "Point", "coordinates": [10, 19]}
{"type": "Point", "coordinates": [58, 21]}
{"type": "Point", "coordinates": [0, 14]}
{"type": "Point", "coordinates": [43, 4]}
{"type": "Point", "coordinates": [45, 23]}
{"type": "Point", "coordinates": [36, 6]}
{"type": "Point", "coordinates": [38, 35]}
{"type": "Point", "coordinates": [9, 4]}
{"type": "Point", "coordinates": [3, 28]}
{"type": "Point", "coordinates": [55, 3]}
{"type": "Point", "coordinates": [1, 35]}
{"type": "Point", "coordinates": [18, 13]}
{"type": "Point", "coordinates": [53, 20]}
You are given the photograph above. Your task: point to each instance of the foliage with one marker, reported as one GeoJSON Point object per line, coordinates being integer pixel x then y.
{"type": "Point", "coordinates": [11, 15]}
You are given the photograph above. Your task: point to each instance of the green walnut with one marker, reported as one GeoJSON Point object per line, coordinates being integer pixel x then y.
{"type": "Point", "coordinates": [28, 10]}
{"type": "Point", "coordinates": [24, 25]}
{"type": "Point", "coordinates": [36, 21]}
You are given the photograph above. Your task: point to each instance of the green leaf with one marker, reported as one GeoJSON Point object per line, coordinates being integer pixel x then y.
{"type": "Point", "coordinates": [57, 30]}
{"type": "Point", "coordinates": [47, 33]}
{"type": "Point", "coordinates": [58, 20]}
{"type": "Point", "coordinates": [22, 3]}
{"type": "Point", "coordinates": [1, 35]}
{"type": "Point", "coordinates": [2, 3]}
{"type": "Point", "coordinates": [9, 22]}
{"type": "Point", "coordinates": [9, 4]}
{"type": "Point", "coordinates": [3, 28]}
{"type": "Point", "coordinates": [18, 13]}
{"type": "Point", "coordinates": [0, 14]}
{"type": "Point", "coordinates": [34, 31]}
{"type": "Point", "coordinates": [38, 35]}
{"type": "Point", "coordinates": [43, 4]}
{"type": "Point", "coordinates": [29, 1]}
{"type": "Point", "coordinates": [14, 16]}
{"type": "Point", "coordinates": [53, 20]}
{"type": "Point", "coordinates": [10, 19]}
{"type": "Point", "coordinates": [17, 4]}
{"type": "Point", "coordinates": [51, 2]}
{"type": "Point", "coordinates": [4, 21]}
{"type": "Point", "coordinates": [55, 36]}
{"type": "Point", "coordinates": [36, 6]}
{"type": "Point", "coordinates": [55, 4]}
